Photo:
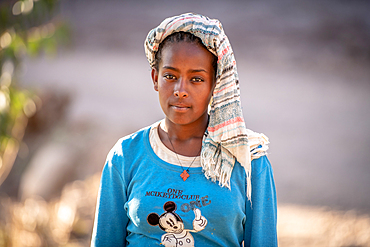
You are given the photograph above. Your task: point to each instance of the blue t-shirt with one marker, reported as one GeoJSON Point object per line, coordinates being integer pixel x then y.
{"type": "Point", "coordinates": [143, 201]}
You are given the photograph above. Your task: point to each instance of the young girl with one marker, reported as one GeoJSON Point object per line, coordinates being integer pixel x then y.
{"type": "Point", "coordinates": [198, 177]}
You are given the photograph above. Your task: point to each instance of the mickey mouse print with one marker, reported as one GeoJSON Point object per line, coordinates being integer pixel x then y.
{"type": "Point", "coordinates": [172, 224]}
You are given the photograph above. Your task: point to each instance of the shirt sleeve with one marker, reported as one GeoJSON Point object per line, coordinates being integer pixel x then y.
{"type": "Point", "coordinates": [110, 216]}
{"type": "Point", "coordinates": [260, 226]}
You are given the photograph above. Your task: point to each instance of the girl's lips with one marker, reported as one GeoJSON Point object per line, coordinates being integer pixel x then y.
{"type": "Point", "coordinates": [180, 108]}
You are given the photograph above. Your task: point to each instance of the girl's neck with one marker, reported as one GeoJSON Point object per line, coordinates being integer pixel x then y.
{"type": "Point", "coordinates": [186, 139]}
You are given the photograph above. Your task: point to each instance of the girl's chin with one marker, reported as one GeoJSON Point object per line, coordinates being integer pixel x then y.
{"type": "Point", "coordinates": [184, 121]}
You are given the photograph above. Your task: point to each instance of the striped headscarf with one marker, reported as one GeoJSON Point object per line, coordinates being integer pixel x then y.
{"type": "Point", "coordinates": [227, 136]}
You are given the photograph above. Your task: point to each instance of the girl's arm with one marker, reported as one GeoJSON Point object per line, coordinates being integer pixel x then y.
{"type": "Point", "coordinates": [260, 226]}
{"type": "Point", "coordinates": [110, 216]}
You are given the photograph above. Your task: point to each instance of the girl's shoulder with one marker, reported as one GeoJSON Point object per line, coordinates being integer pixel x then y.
{"type": "Point", "coordinates": [134, 141]}
{"type": "Point", "coordinates": [258, 143]}
{"type": "Point", "coordinates": [135, 138]}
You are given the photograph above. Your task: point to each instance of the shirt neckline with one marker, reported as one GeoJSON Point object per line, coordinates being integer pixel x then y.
{"type": "Point", "coordinates": [161, 162]}
{"type": "Point", "coordinates": [159, 142]}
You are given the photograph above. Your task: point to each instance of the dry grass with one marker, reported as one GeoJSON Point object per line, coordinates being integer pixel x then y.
{"type": "Point", "coordinates": [319, 226]}
{"type": "Point", "coordinates": [65, 221]}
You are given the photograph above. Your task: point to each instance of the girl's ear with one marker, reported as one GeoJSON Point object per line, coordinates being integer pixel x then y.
{"type": "Point", "coordinates": [155, 78]}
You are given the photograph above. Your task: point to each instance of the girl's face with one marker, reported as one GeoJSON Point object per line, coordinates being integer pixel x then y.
{"type": "Point", "coordinates": [185, 81]}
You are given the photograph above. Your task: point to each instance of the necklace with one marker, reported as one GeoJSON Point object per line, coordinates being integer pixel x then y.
{"type": "Point", "coordinates": [184, 175]}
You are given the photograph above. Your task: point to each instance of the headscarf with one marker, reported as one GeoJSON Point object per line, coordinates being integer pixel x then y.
{"type": "Point", "coordinates": [226, 135]}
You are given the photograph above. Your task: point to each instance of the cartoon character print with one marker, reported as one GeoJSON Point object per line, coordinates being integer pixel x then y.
{"type": "Point", "coordinates": [172, 223]}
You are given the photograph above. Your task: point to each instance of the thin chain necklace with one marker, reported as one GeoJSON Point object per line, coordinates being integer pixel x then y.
{"type": "Point", "coordinates": [184, 175]}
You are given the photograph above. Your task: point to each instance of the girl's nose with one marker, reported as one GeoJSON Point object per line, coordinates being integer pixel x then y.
{"type": "Point", "coordinates": [180, 94]}
{"type": "Point", "coordinates": [180, 91]}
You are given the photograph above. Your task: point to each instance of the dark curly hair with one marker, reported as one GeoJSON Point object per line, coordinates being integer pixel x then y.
{"type": "Point", "coordinates": [177, 38]}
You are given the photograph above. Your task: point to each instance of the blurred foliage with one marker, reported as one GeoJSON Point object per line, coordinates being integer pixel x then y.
{"type": "Point", "coordinates": [27, 28]}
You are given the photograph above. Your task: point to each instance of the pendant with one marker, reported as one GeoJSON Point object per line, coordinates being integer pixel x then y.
{"type": "Point", "coordinates": [184, 175]}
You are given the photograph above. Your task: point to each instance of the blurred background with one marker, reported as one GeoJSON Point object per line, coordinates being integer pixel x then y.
{"type": "Point", "coordinates": [74, 79]}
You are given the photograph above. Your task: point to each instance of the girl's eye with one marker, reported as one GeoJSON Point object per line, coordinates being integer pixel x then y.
{"type": "Point", "coordinates": [197, 79]}
{"type": "Point", "coordinates": [169, 77]}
